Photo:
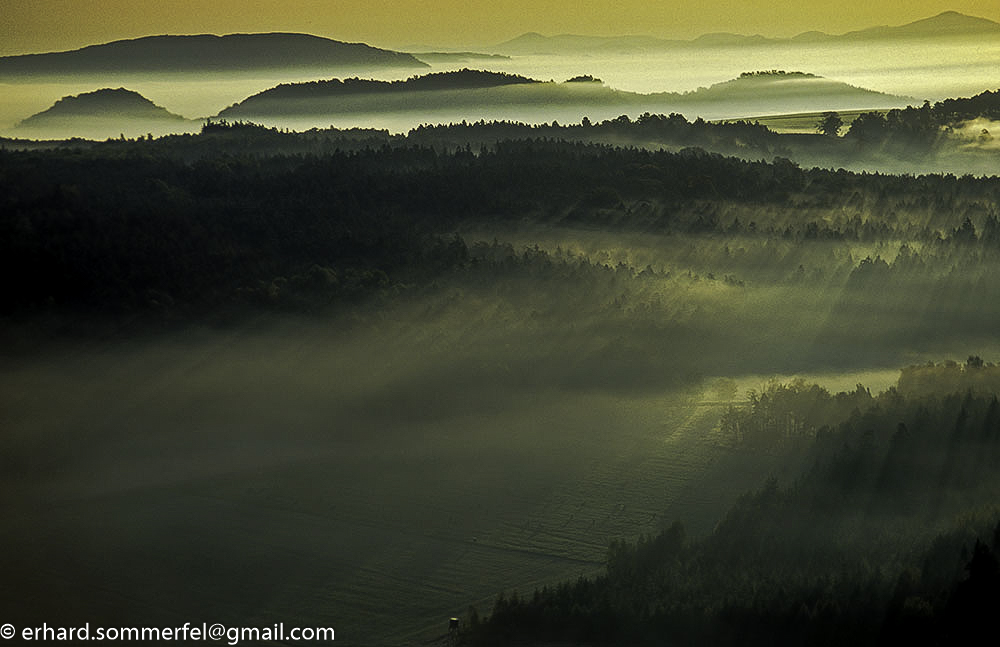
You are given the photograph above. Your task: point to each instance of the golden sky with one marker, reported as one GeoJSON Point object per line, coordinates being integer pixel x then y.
{"type": "Point", "coordinates": [48, 25]}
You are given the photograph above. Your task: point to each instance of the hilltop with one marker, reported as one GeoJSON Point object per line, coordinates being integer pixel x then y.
{"type": "Point", "coordinates": [367, 95]}
{"type": "Point", "coordinates": [104, 113]}
{"type": "Point", "coordinates": [948, 23]}
{"type": "Point", "coordinates": [464, 79]}
{"type": "Point", "coordinates": [206, 53]}
{"type": "Point", "coordinates": [779, 84]}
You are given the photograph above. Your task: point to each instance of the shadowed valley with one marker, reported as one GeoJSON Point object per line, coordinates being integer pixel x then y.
{"type": "Point", "coordinates": [499, 360]}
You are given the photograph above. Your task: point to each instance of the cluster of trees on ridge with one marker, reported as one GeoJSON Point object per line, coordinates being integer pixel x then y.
{"type": "Point", "coordinates": [926, 123]}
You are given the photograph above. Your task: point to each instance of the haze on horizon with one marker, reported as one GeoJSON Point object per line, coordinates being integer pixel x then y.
{"type": "Point", "coordinates": [33, 26]}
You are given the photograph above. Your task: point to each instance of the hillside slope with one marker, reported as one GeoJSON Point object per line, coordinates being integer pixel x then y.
{"type": "Point", "coordinates": [104, 113]}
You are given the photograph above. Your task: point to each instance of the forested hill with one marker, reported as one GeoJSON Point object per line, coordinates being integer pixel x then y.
{"type": "Point", "coordinates": [365, 95]}
{"type": "Point", "coordinates": [779, 83]}
{"type": "Point", "coordinates": [760, 92]}
{"type": "Point", "coordinates": [103, 103]}
{"type": "Point", "coordinates": [465, 79]}
{"type": "Point", "coordinates": [206, 53]}
{"type": "Point", "coordinates": [104, 113]}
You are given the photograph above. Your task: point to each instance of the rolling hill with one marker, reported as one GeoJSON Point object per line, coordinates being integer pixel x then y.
{"type": "Point", "coordinates": [467, 94]}
{"type": "Point", "coordinates": [104, 113]}
{"type": "Point", "coordinates": [206, 53]}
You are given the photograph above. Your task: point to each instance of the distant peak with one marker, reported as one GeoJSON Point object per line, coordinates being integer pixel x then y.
{"type": "Point", "coordinates": [717, 35]}
{"type": "Point", "coordinates": [528, 35]}
{"type": "Point", "coordinates": [954, 15]}
{"type": "Point", "coordinates": [946, 22]}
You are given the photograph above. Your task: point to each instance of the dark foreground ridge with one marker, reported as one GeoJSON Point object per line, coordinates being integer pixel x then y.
{"type": "Point", "coordinates": [231, 215]}
{"type": "Point", "coordinates": [365, 362]}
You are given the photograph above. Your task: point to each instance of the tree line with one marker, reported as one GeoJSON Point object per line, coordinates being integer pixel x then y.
{"type": "Point", "coordinates": [145, 224]}
{"type": "Point", "coordinates": [926, 123]}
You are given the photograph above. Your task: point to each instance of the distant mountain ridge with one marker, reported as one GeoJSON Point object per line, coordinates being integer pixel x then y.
{"type": "Point", "coordinates": [206, 53]}
{"type": "Point", "coordinates": [948, 23]}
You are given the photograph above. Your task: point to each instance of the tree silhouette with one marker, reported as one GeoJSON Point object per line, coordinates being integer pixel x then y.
{"type": "Point", "coordinates": [830, 124]}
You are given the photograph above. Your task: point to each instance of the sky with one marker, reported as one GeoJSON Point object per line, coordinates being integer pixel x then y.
{"type": "Point", "coordinates": [30, 26]}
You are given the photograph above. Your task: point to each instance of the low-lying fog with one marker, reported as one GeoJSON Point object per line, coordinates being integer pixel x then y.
{"type": "Point", "coordinates": [380, 470]}
{"type": "Point", "coordinates": [926, 69]}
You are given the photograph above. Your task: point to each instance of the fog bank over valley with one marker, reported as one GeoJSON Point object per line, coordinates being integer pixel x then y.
{"type": "Point", "coordinates": [920, 68]}
{"type": "Point", "coordinates": [540, 343]}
